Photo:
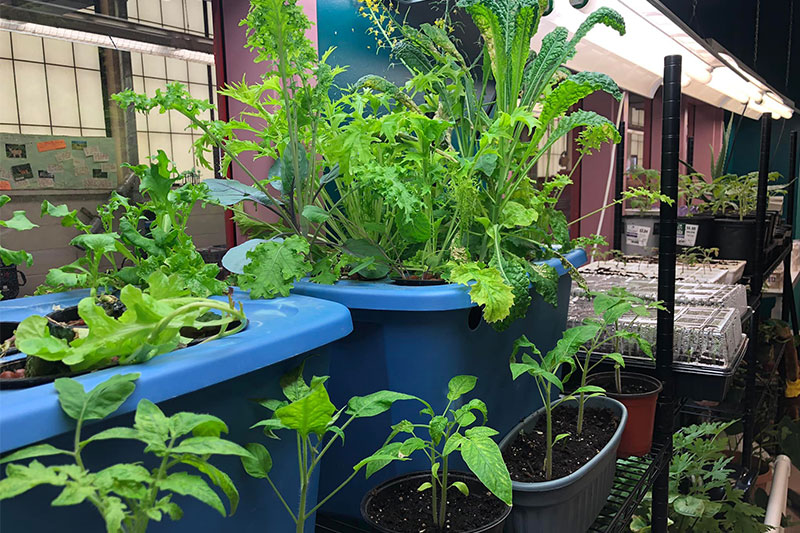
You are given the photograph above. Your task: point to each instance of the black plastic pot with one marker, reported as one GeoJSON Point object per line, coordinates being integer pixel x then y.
{"type": "Point", "coordinates": [736, 239]}
{"type": "Point", "coordinates": [11, 280]}
{"type": "Point", "coordinates": [7, 330]}
{"type": "Point", "coordinates": [704, 231]}
{"type": "Point", "coordinates": [569, 504]}
{"type": "Point", "coordinates": [496, 526]}
{"type": "Point", "coordinates": [415, 282]}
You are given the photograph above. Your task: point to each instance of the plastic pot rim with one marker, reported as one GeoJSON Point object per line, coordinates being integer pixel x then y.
{"type": "Point", "coordinates": [601, 376]}
{"type": "Point", "coordinates": [424, 474]}
{"type": "Point", "coordinates": [557, 484]}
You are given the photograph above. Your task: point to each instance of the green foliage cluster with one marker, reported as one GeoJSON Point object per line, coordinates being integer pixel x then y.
{"type": "Point", "coordinates": [702, 498]}
{"type": "Point", "coordinates": [429, 178]}
{"type": "Point", "coordinates": [598, 336]}
{"type": "Point", "coordinates": [129, 495]}
{"type": "Point", "coordinates": [164, 246]}
{"type": "Point", "coordinates": [17, 222]}
{"type": "Point", "coordinates": [150, 325]}
{"type": "Point", "coordinates": [454, 430]}
{"type": "Point", "coordinates": [307, 410]}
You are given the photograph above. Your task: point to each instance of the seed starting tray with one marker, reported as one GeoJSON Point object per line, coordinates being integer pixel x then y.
{"type": "Point", "coordinates": [686, 293]}
{"type": "Point", "coordinates": [716, 271]}
{"type": "Point", "coordinates": [693, 381]}
{"type": "Point", "coordinates": [706, 337]}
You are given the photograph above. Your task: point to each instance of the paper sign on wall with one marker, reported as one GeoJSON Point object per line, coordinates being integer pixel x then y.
{"type": "Point", "coordinates": [636, 235]}
{"type": "Point", "coordinates": [687, 234]}
{"type": "Point", "coordinates": [56, 144]}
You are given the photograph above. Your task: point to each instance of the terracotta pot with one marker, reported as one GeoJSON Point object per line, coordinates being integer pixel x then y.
{"type": "Point", "coordinates": [637, 439]}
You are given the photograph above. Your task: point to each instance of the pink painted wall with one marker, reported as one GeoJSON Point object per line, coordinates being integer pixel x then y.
{"type": "Point", "coordinates": [706, 127]}
{"type": "Point", "coordinates": [594, 173]}
{"type": "Point", "coordinates": [238, 64]}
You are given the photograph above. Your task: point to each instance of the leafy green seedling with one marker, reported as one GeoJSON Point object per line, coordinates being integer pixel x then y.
{"type": "Point", "coordinates": [702, 497]}
{"type": "Point", "coordinates": [309, 413]}
{"type": "Point", "coordinates": [128, 495]}
{"type": "Point", "coordinates": [454, 430]}
{"type": "Point", "coordinates": [545, 374]}
{"type": "Point", "coordinates": [601, 335]}
{"type": "Point", "coordinates": [150, 236]}
{"type": "Point", "coordinates": [18, 222]}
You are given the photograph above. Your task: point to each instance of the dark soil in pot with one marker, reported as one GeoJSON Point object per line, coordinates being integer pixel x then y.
{"type": "Point", "coordinates": [7, 330]}
{"type": "Point", "coordinates": [524, 457]}
{"type": "Point", "coordinates": [396, 506]}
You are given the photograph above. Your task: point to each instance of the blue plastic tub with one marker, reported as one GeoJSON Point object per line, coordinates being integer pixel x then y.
{"type": "Point", "coordinates": [413, 340]}
{"type": "Point", "coordinates": [220, 378]}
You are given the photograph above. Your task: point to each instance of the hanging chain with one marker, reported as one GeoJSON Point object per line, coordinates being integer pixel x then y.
{"type": "Point", "coordinates": [789, 51]}
{"type": "Point", "coordinates": [755, 44]}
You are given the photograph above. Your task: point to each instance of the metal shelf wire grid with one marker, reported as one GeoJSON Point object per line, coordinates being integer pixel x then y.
{"type": "Point", "coordinates": [633, 479]}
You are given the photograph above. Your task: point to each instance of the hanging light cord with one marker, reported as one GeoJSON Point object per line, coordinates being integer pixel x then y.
{"type": "Point", "coordinates": [755, 43]}
{"type": "Point", "coordinates": [789, 51]}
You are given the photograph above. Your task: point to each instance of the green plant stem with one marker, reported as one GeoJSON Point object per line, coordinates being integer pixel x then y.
{"type": "Point", "coordinates": [210, 304]}
{"type": "Point", "coordinates": [548, 459]}
{"type": "Point", "coordinates": [587, 215]}
{"type": "Point", "coordinates": [141, 516]}
{"type": "Point", "coordinates": [443, 502]}
{"type": "Point", "coordinates": [304, 480]}
{"type": "Point", "coordinates": [280, 497]}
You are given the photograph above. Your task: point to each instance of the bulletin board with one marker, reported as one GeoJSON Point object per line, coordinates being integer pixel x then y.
{"type": "Point", "coordinates": [57, 162]}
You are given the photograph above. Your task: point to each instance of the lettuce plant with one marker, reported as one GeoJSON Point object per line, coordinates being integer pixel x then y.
{"type": "Point", "coordinates": [150, 326]}
{"type": "Point", "coordinates": [308, 412]}
{"type": "Point", "coordinates": [17, 222]}
{"type": "Point", "coordinates": [165, 246]}
{"type": "Point", "coordinates": [454, 430]}
{"type": "Point", "coordinates": [128, 495]}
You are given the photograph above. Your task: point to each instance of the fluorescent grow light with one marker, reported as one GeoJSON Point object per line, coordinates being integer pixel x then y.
{"type": "Point", "coordinates": [105, 41]}
{"type": "Point", "coordinates": [635, 60]}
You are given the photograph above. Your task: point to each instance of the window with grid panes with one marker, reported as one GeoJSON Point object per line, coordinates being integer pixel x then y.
{"type": "Point", "coordinates": [53, 87]}
{"type": "Point", "coordinates": [169, 131]}
{"type": "Point", "coordinates": [50, 87]}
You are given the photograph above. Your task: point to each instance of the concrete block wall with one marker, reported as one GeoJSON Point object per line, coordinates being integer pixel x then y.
{"type": "Point", "coordinates": [49, 243]}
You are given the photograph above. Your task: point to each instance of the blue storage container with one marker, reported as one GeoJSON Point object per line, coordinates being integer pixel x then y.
{"type": "Point", "coordinates": [413, 340]}
{"type": "Point", "coordinates": [219, 377]}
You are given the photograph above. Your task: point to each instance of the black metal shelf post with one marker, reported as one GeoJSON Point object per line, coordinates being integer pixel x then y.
{"type": "Point", "coordinates": [670, 147]}
{"type": "Point", "coordinates": [756, 286]}
{"type": "Point", "coordinates": [619, 184]}
{"type": "Point", "coordinates": [789, 309]}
